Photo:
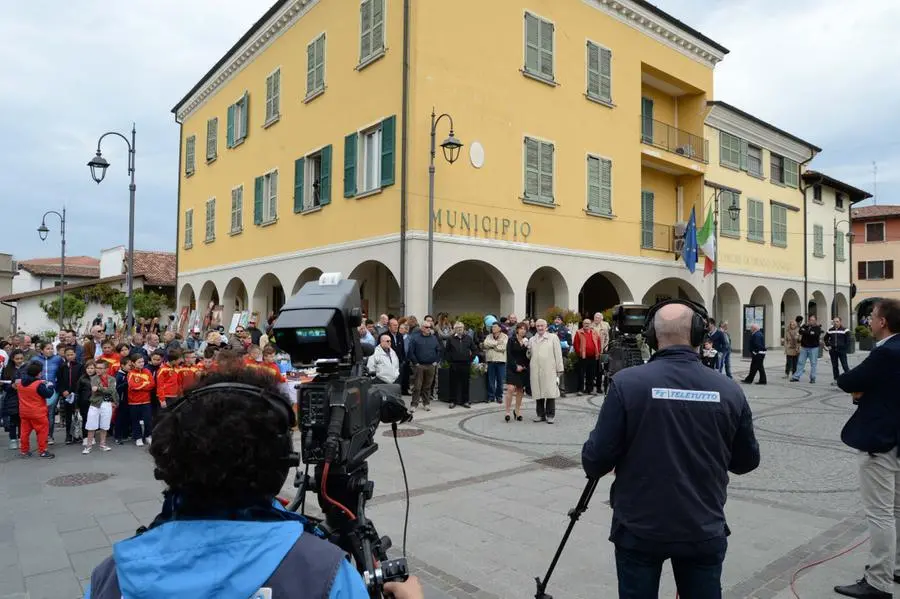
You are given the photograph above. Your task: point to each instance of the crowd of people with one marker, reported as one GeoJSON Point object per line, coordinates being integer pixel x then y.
{"type": "Point", "coordinates": [109, 385]}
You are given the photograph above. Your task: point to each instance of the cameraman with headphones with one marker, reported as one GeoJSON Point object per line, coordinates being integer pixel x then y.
{"type": "Point", "coordinates": [672, 429]}
{"type": "Point", "coordinates": [223, 452]}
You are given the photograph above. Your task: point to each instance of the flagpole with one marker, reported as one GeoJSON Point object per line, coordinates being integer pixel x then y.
{"type": "Point", "coordinates": [716, 256]}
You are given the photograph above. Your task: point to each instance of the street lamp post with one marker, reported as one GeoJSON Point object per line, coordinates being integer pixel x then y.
{"type": "Point", "coordinates": [734, 211]}
{"type": "Point", "coordinates": [849, 235]}
{"type": "Point", "coordinates": [451, 147]}
{"type": "Point", "coordinates": [42, 233]}
{"type": "Point", "coordinates": [98, 165]}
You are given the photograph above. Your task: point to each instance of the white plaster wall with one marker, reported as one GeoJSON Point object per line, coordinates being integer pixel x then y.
{"type": "Point", "coordinates": [821, 270]}
{"type": "Point", "coordinates": [111, 261]}
{"type": "Point", "coordinates": [25, 281]}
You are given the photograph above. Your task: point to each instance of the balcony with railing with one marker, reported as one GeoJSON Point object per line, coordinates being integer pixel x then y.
{"type": "Point", "coordinates": [664, 136]}
{"type": "Point", "coordinates": [657, 236]}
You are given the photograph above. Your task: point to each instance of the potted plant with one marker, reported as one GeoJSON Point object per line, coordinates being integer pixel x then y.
{"type": "Point", "coordinates": [864, 338]}
{"type": "Point", "coordinates": [477, 382]}
{"type": "Point", "coordinates": [473, 321]}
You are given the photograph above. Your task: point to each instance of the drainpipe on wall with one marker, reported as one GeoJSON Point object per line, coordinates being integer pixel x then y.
{"type": "Point", "coordinates": [804, 307]}
{"type": "Point", "coordinates": [404, 170]}
{"type": "Point", "coordinates": [14, 323]}
{"type": "Point", "coordinates": [178, 209]}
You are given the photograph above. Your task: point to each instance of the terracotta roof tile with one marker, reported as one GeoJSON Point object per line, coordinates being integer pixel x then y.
{"type": "Point", "coordinates": [72, 270]}
{"type": "Point", "coordinates": [157, 268]}
{"type": "Point", "coordinates": [875, 211]}
{"type": "Point", "coordinates": [73, 260]}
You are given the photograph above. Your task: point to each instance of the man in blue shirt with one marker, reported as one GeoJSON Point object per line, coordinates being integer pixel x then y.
{"type": "Point", "coordinates": [223, 454]}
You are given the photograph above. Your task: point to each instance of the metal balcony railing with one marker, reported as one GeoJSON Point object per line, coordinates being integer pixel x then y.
{"type": "Point", "coordinates": [665, 136]}
{"type": "Point", "coordinates": [657, 236]}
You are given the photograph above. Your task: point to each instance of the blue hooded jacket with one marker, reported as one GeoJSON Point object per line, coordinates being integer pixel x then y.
{"type": "Point", "coordinates": [214, 559]}
{"type": "Point", "coordinates": [49, 366]}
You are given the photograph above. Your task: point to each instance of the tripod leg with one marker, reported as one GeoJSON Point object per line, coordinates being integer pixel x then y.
{"type": "Point", "coordinates": [574, 515]}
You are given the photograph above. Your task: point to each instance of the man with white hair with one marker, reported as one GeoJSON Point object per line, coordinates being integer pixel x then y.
{"type": "Point", "coordinates": [672, 429]}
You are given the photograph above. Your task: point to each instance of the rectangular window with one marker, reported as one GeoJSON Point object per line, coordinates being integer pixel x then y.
{"type": "Point", "coordinates": [273, 96]}
{"type": "Point", "coordinates": [237, 209]}
{"type": "Point", "coordinates": [238, 121]}
{"type": "Point", "coordinates": [211, 219]}
{"type": "Point", "coordinates": [729, 226]}
{"type": "Point", "coordinates": [875, 270]}
{"type": "Point", "coordinates": [538, 47]}
{"type": "Point", "coordinates": [818, 241]}
{"type": "Point", "coordinates": [729, 149]}
{"type": "Point", "coordinates": [839, 246]}
{"type": "Point", "coordinates": [647, 210]}
{"type": "Point", "coordinates": [874, 232]}
{"type": "Point", "coordinates": [315, 66]}
{"type": "Point", "coordinates": [212, 138]}
{"type": "Point", "coordinates": [599, 173]}
{"type": "Point", "coordinates": [779, 226]}
{"type": "Point", "coordinates": [270, 196]}
{"type": "Point", "coordinates": [369, 162]}
{"type": "Point", "coordinates": [839, 201]}
{"type": "Point", "coordinates": [776, 165]}
{"type": "Point", "coordinates": [755, 220]}
{"type": "Point", "coordinates": [754, 161]}
{"type": "Point", "coordinates": [189, 155]}
{"type": "Point", "coordinates": [188, 228]}
{"type": "Point", "coordinates": [538, 171]}
{"type": "Point", "coordinates": [371, 41]}
{"type": "Point", "coordinates": [791, 173]}
{"type": "Point", "coordinates": [312, 180]}
{"type": "Point", "coordinates": [599, 72]}
{"type": "Point", "coordinates": [817, 194]}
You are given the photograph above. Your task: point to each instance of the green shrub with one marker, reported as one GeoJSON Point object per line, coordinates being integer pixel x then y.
{"type": "Point", "coordinates": [862, 332]}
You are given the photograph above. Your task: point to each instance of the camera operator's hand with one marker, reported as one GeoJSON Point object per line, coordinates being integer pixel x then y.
{"type": "Point", "coordinates": [411, 589]}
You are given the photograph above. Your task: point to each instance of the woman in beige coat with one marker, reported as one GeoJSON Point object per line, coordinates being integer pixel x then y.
{"type": "Point", "coordinates": [791, 348]}
{"type": "Point", "coordinates": [546, 366]}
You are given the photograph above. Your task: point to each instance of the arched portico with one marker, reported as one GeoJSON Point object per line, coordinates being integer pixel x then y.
{"type": "Point", "coordinates": [268, 296]}
{"type": "Point", "coordinates": [546, 288]}
{"type": "Point", "coordinates": [473, 286]}
{"type": "Point", "coordinates": [762, 298]}
{"type": "Point", "coordinates": [671, 288]}
{"type": "Point", "coordinates": [601, 291]}
{"type": "Point", "coordinates": [378, 288]}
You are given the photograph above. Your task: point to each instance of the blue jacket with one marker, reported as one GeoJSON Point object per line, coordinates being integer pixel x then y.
{"type": "Point", "coordinates": [49, 365]}
{"type": "Point", "coordinates": [757, 343]}
{"type": "Point", "coordinates": [424, 349]}
{"type": "Point", "coordinates": [719, 341]}
{"type": "Point", "coordinates": [875, 425]}
{"type": "Point", "coordinates": [672, 429]}
{"type": "Point", "coordinates": [213, 559]}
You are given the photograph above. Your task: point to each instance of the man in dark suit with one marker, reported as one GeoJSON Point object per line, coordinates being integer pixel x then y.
{"type": "Point", "coordinates": [757, 356]}
{"type": "Point", "coordinates": [874, 430]}
{"type": "Point", "coordinates": [399, 347]}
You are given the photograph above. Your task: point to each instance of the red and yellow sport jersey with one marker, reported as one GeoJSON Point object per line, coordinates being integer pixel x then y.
{"type": "Point", "coordinates": [113, 361]}
{"type": "Point", "coordinates": [140, 384]}
{"type": "Point", "coordinates": [168, 381]}
{"type": "Point", "coordinates": [190, 375]}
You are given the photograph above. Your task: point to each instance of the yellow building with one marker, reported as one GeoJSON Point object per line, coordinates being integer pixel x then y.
{"type": "Point", "coordinates": [756, 168]}
{"type": "Point", "coordinates": [306, 148]}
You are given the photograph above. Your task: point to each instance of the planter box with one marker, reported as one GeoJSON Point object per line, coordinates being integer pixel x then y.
{"type": "Point", "coordinates": [570, 380]}
{"type": "Point", "coordinates": [867, 343]}
{"type": "Point", "coordinates": [477, 387]}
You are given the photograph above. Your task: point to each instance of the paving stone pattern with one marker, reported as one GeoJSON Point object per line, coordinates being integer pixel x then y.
{"type": "Point", "coordinates": [489, 503]}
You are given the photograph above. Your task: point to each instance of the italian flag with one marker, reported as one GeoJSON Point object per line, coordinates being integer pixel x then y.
{"type": "Point", "coordinates": [706, 239]}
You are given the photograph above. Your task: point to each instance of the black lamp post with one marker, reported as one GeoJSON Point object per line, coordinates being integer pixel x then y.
{"type": "Point", "coordinates": [98, 165]}
{"type": "Point", "coordinates": [450, 147]}
{"type": "Point", "coordinates": [43, 230]}
{"type": "Point", "coordinates": [734, 211]}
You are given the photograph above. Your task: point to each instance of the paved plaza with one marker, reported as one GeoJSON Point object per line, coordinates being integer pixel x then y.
{"type": "Point", "coordinates": [487, 512]}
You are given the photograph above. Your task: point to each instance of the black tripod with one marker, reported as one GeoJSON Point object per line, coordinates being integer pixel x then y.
{"type": "Point", "coordinates": [574, 515]}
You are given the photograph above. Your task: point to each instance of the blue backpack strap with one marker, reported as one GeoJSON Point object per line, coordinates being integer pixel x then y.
{"type": "Point", "coordinates": [105, 581]}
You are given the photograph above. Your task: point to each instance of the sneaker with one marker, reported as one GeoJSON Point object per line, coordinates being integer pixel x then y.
{"type": "Point", "coordinates": [549, 419]}
{"type": "Point", "coordinates": [412, 409]}
{"type": "Point", "coordinates": [106, 448]}
{"type": "Point", "coordinates": [538, 419]}
{"type": "Point", "coordinates": [120, 442]}
{"type": "Point", "coordinates": [84, 442]}
{"type": "Point", "coordinates": [139, 442]}
{"type": "Point", "coordinates": [69, 440]}
{"type": "Point", "coordinates": [579, 393]}
{"type": "Point", "coordinates": [427, 407]}
{"type": "Point", "coordinates": [453, 405]}
{"type": "Point", "coordinates": [812, 381]}
{"type": "Point", "coordinates": [467, 406]}
{"type": "Point", "coordinates": [86, 450]}
{"type": "Point", "coordinates": [149, 440]}
{"type": "Point", "coordinates": [14, 444]}
{"type": "Point", "coordinates": [50, 441]}
{"type": "Point", "coordinates": [47, 455]}
{"type": "Point", "coordinates": [26, 454]}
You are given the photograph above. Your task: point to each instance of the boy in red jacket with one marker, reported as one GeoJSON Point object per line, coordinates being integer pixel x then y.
{"type": "Point", "coordinates": [169, 378]}
{"type": "Point", "coordinates": [33, 394]}
{"type": "Point", "coordinates": [140, 385]}
{"type": "Point", "coordinates": [111, 357]}
{"type": "Point", "coordinates": [190, 370]}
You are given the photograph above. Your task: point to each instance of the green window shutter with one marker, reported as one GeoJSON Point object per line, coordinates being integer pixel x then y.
{"type": "Point", "coordinates": [245, 116]}
{"type": "Point", "coordinates": [547, 49]}
{"type": "Point", "coordinates": [606, 74]}
{"type": "Point", "coordinates": [546, 190]}
{"type": "Point", "coordinates": [298, 185]}
{"type": "Point", "coordinates": [532, 168]}
{"type": "Point", "coordinates": [743, 156]}
{"type": "Point", "coordinates": [377, 26]}
{"type": "Point", "coordinates": [258, 201]}
{"type": "Point", "coordinates": [593, 68]}
{"type": "Point", "coordinates": [791, 173]}
{"type": "Point", "coordinates": [320, 63]}
{"type": "Point", "coordinates": [647, 120]}
{"type": "Point", "coordinates": [365, 17]}
{"type": "Point", "coordinates": [388, 142]}
{"type": "Point", "coordinates": [350, 165]}
{"type": "Point", "coordinates": [646, 219]}
{"type": "Point", "coordinates": [325, 177]}
{"type": "Point", "coordinates": [229, 134]}
{"type": "Point", "coordinates": [310, 68]}
{"type": "Point", "coordinates": [532, 43]}
{"type": "Point", "coordinates": [606, 187]}
{"type": "Point", "coordinates": [593, 200]}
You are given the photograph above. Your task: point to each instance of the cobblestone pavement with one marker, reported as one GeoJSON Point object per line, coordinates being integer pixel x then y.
{"type": "Point", "coordinates": [486, 513]}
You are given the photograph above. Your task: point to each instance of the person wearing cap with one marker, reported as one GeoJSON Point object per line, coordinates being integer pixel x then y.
{"type": "Point", "coordinates": [195, 340]}
{"type": "Point", "coordinates": [253, 330]}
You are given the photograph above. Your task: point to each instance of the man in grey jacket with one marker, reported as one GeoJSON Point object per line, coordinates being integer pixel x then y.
{"type": "Point", "coordinates": [424, 355]}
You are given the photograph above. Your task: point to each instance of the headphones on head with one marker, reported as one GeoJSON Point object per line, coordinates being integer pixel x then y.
{"type": "Point", "coordinates": [699, 322]}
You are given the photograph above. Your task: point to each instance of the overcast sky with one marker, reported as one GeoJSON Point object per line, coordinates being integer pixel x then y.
{"type": "Point", "coordinates": [821, 69]}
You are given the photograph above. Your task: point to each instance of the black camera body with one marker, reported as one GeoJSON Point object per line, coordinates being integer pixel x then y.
{"type": "Point", "coordinates": [338, 414]}
{"type": "Point", "coordinates": [628, 322]}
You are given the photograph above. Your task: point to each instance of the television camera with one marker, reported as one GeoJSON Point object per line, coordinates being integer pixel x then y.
{"type": "Point", "coordinates": [624, 350]}
{"type": "Point", "coordinates": [339, 412]}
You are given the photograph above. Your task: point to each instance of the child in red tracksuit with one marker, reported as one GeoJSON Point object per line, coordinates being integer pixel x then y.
{"type": "Point", "coordinates": [169, 378]}
{"type": "Point", "coordinates": [33, 394]}
{"type": "Point", "coordinates": [140, 384]}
